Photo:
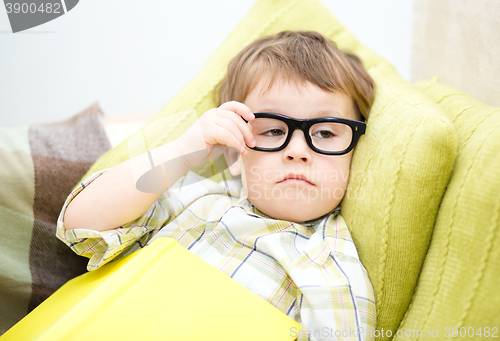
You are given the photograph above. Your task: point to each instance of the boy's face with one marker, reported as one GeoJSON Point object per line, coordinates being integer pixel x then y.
{"type": "Point", "coordinates": [296, 183]}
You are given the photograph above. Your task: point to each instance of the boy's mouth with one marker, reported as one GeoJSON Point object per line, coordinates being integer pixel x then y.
{"type": "Point", "coordinates": [299, 178]}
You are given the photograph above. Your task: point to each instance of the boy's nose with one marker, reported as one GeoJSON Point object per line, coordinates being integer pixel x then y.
{"type": "Point", "coordinates": [297, 149]}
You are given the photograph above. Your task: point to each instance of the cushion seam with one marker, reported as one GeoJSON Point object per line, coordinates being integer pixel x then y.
{"type": "Point", "coordinates": [387, 215]}
{"type": "Point", "coordinates": [448, 237]}
{"type": "Point", "coordinates": [489, 242]}
{"type": "Point", "coordinates": [495, 221]}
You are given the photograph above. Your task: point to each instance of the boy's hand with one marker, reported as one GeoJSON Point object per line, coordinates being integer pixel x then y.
{"type": "Point", "coordinates": [218, 129]}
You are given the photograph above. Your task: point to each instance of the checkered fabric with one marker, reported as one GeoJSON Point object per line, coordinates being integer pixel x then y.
{"type": "Point", "coordinates": [310, 271]}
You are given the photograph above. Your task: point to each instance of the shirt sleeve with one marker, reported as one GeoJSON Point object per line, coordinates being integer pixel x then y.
{"type": "Point", "coordinates": [103, 246]}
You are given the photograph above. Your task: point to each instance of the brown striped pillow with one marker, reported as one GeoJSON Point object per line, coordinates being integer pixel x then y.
{"type": "Point", "coordinates": [40, 164]}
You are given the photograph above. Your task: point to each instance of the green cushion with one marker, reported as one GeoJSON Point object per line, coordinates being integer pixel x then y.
{"type": "Point", "coordinates": [399, 173]}
{"type": "Point", "coordinates": [459, 283]}
{"type": "Point", "coordinates": [401, 167]}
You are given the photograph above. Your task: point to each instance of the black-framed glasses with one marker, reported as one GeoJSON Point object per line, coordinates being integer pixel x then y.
{"type": "Point", "coordinates": [324, 135]}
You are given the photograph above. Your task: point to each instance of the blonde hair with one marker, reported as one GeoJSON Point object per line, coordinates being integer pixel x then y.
{"type": "Point", "coordinates": [298, 57]}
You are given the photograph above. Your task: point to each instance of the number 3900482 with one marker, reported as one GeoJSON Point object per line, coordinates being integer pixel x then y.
{"type": "Point", "coordinates": [48, 7]}
{"type": "Point", "coordinates": [471, 332]}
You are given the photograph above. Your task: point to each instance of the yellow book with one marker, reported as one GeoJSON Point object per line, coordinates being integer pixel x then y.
{"type": "Point", "coordinates": [161, 292]}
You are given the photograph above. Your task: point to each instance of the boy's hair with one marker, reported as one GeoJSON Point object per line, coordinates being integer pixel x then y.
{"type": "Point", "coordinates": [298, 57]}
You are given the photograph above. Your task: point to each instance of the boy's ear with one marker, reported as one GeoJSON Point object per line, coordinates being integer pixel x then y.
{"type": "Point", "coordinates": [232, 155]}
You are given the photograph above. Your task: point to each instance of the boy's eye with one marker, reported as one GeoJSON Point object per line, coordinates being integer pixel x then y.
{"type": "Point", "coordinates": [274, 132]}
{"type": "Point", "coordinates": [324, 134]}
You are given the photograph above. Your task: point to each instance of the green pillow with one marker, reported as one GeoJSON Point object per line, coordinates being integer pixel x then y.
{"type": "Point", "coordinates": [399, 173]}
{"type": "Point", "coordinates": [401, 167]}
{"type": "Point", "coordinates": [459, 283]}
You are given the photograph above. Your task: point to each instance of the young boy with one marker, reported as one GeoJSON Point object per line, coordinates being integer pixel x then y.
{"type": "Point", "coordinates": [291, 113]}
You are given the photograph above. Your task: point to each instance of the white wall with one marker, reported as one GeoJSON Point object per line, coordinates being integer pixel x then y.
{"type": "Point", "coordinates": [133, 56]}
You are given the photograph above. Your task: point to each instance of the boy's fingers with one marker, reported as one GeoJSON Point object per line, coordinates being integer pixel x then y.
{"type": "Point", "coordinates": [226, 138]}
{"type": "Point", "coordinates": [242, 126]}
{"type": "Point", "coordinates": [234, 130]}
{"type": "Point", "coordinates": [239, 108]}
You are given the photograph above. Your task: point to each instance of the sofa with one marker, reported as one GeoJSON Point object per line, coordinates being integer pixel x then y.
{"type": "Point", "coordinates": [422, 205]}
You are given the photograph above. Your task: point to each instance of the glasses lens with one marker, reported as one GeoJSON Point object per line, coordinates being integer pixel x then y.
{"type": "Point", "coordinates": [268, 132]}
{"type": "Point", "coordinates": [331, 136]}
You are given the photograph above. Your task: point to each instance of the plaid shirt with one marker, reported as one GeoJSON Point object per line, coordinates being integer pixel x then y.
{"type": "Point", "coordinates": [310, 271]}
